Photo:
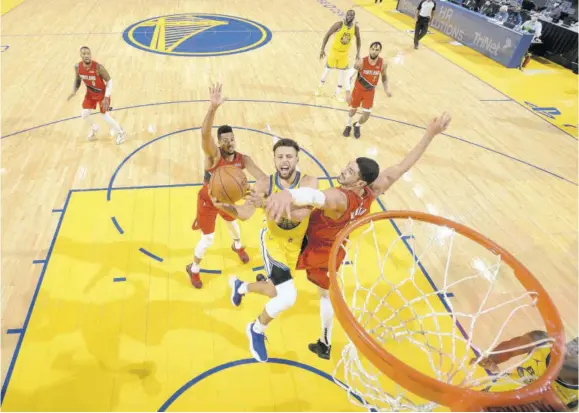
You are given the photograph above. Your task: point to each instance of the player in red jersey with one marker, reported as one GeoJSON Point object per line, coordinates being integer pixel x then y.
{"type": "Point", "coordinates": [99, 87]}
{"type": "Point", "coordinates": [217, 154]}
{"type": "Point", "coordinates": [370, 69]}
{"type": "Point", "coordinates": [360, 183]}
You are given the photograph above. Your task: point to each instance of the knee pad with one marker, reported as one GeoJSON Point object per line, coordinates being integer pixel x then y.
{"type": "Point", "coordinates": [85, 113]}
{"type": "Point", "coordinates": [205, 242]}
{"type": "Point", "coordinates": [286, 297]}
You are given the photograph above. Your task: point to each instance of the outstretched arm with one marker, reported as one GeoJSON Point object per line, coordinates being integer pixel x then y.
{"type": "Point", "coordinates": [246, 211]}
{"type": "Point", "coordinates": [299, 213]}
{"type": "Point", "coordinates": [393, 173]}
{"type": "Point", "coordinates": [528, 342]}
{"type": "Point", "coordinates": [77, 82]}
{"type": "Point", "coordinates": [215, 100]}
{"type": "Point", "coordinates": [335, 27]}
{"type": "Point", "coordinates": [252, 168]}
{"type": "Point", "coordinates": [332, 201]}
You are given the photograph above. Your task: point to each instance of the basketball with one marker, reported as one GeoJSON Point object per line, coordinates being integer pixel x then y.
{"type": "Point", "coordinates": [228, 184]}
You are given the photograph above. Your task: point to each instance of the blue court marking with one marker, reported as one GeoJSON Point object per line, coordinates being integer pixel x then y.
{"type": "Point", "coordinates": [150, 254]}
{"type": "Point", "coordinates": [347, 263]}
{"type": "Point", "coordinates": [119, 279]}
{"type": "Point", "coordinates": [260, 268]}
{"type": "Point", "coordinates": [33, 302]}
{"type": "Point", "coordinates": [221, 35]}
{"type": "Point", "coordinates": [319, 107]}
{"type": "Point", "coordinates": [134, 152]}
{"type": "Point", "coordinates": [243, 362]}
{"type": "Point", "coordinates": [57, 210]}
{"type": "Point", "coordinates": [406, 237]}
{"type": "Point", "coordinates": [118, 227]}
{"type": "Point", "coordinates": [209, 271]}
{"type": "Point", "coordinates": [14, 331]}
{"type": "Point", "coordinates": [39, 262]}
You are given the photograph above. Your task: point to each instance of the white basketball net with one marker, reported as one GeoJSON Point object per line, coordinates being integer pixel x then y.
{"type": "Point", "coordinates": [435, 300]}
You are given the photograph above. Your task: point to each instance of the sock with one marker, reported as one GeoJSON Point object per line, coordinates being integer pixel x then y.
{"type": "Point", "coordinates": [195, 267]}
{"type": "Point", "coordinates": [85, 116]}
{"type": "Point", "coordinates": [258, 327]}
{"type": "Point", "coordinates": [235, 233]}
{"type": "Point", "coordinates": [349, 122]}
{"type": "Point", "coordinates": [324, 75]}
{"type": "Point", "coordinates": [341, 76]}
{"type": "Point", "coordinates": [242, 289]}
{"type": "Point", "coordinates": [112, 122]}
{"type": "Point", "coordinates": [327, 316]}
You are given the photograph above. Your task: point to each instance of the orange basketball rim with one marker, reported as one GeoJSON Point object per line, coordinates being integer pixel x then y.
{"type": "Point", "coordinates": [536, 396]}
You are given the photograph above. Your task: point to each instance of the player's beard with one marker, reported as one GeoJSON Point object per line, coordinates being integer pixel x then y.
{"type": "Point", "coordinates": [285, 175]}
{"type": "Point", "coordinates": [373, 57]}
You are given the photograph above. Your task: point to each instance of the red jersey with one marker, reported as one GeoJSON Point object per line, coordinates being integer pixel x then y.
{"type": "Point", "coordinates": [369, 74]}
{"type": "Point", "coordinates": [94, 83]}
{"type": "Point", "coordinates": [236, 161]}
{"type": "Point", "coordinates": [323, 230]}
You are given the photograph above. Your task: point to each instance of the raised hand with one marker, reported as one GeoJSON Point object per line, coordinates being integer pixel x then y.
{"type": "Point", "coordinates": [439, 124]}
{"type": "Point", "coordinates": [215, 95]}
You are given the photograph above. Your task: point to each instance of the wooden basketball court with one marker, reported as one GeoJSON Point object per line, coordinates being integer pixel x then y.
{"type": "Point", "coordinates": [97, 311]}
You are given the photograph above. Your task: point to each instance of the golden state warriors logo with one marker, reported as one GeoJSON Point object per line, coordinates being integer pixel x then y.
{"type": "Point", "coordinates": [197, 34]}
{"type": "Point", "coordinates": [346, 37]}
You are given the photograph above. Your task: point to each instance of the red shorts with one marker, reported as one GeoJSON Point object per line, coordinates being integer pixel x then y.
{"type": "Point", "coordinates": [90, 101]}
{"type": "Point", "coordinates": [314, 259]}
{"type": "Point", "coordinates": [207, 213]}
{"type": "Point", "coordinates": [363, 97]}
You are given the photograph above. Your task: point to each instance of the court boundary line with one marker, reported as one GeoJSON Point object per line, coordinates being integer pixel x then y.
{"type": "Point", "coordinates": [511, 157]}
{"type": "Point", "coordinates": [33, 300]}
{"type": "Point", "coordinates": [364, 7]}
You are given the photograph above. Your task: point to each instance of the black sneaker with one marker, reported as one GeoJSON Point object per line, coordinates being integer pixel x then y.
{"type": "Point", "coordinates": [347, 131]}
{"type": "Point", "coordinates": [356, 131]}
{"type": "Point", "coordinates": [321, 349]}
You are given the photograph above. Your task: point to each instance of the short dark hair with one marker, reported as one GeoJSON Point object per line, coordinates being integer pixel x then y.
{"type": "Point", "coordinates": [290, 143]}
{"type": "Point", "coordinates": [369, 169]}
{"type": "Point", "coordinates": [84, 47]}
{"type": "Point", "coordinates": [224, 129]}
{"type": "Point", "coordinates": [376, 44]}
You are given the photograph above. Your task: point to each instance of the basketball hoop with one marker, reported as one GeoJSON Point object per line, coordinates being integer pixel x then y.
{"type": "Point", "coordinates": [415, 343]}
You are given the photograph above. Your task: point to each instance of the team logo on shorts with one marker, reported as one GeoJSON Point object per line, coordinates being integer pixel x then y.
{"type": "Point", "coordinates": [197, 34]}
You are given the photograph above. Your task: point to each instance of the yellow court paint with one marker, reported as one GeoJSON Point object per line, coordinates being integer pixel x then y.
{"type": "Point", "coordinates": [541, 84]}
{"type": "Point", "coordinates": [8, 5]}
{"type": "Point", "coordinates": [99, 345]}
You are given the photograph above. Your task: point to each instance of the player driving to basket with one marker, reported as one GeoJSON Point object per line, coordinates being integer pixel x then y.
{"type": "Point", "coordinates": [360, 183]}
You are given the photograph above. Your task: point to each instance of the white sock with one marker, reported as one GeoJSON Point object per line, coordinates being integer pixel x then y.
{"type": "Point", "coordinates": [324, 75]}
{"type": "Point", "coordinates": [112, 122]}
{"type": "Point", "coordinates": [85, 114]}
{"type": "Point", "coordinates": [258, 327]}
{"type": "Point", "coordinates": [357, 124]}
{"type": "Point", "coordinates": [341, 76]}
{"type": "Point", "coordinates": [235, 233]}
{"type": "Point", "coordinates": [349, 123]}
{"type": "Point", "coordinates": [242, 289]}
{"type": "Point", "coordinates": [327, 317]}
{"type": "Point", "coordinates": [195, 267]}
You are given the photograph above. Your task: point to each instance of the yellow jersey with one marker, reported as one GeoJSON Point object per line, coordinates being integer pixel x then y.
{"type": "Point", "coordinates": [343, 38]}
{"type": "Point", "coordinates": [534, 368]}
{"type": "Point", "coordinates": [282, 241]}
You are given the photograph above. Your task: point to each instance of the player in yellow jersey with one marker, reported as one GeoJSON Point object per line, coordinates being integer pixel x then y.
{"type": "Point", "coordinates": [280, 243]}
{"type": "Point", "coordinates": [344, 32]}
{"type": "Point", "coordinates": [535, 342]}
